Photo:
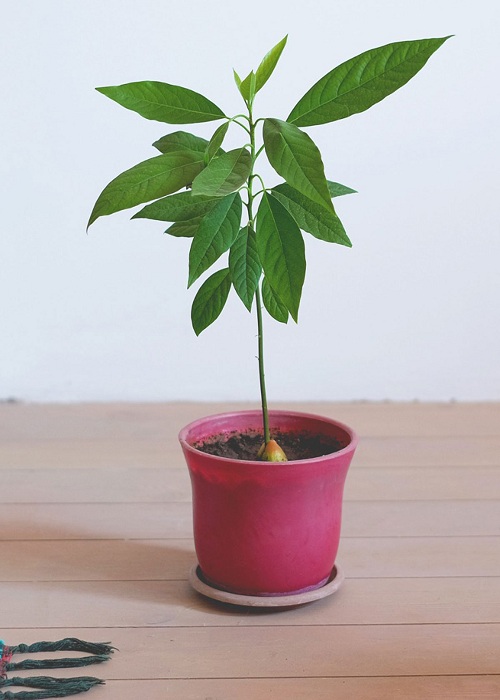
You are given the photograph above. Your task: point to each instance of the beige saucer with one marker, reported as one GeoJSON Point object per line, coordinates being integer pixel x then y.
{"type": "Point", "coordinates": [280, 601]}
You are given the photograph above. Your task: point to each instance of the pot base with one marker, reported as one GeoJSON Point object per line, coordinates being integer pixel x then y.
{"type": "Point", "coordinates": [199, 584]}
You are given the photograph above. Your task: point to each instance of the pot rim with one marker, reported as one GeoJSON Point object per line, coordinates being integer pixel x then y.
{"type": "Point", "coordinates": [353, 437]}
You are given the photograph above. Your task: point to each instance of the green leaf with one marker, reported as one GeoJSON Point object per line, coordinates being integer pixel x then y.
{"type": "Point", "coordinates": [245, 266]}
{"type": "Point", "coordinates": [311, 217]}
{"type": "Point", "coordinates": [273, 303]}
{"type": "Point", "coordinates": [163, 102]}
{"type": "Point", "coordinates": [268, 64]}
{"type": "Point", "coordinates": [146, 181]}
{"type": "Point", "coordinates": [247, 87]}
{"type": "Point", "coordinates": [224, 174]}
{"type": "Point", "coordinates": [281, 252]}
{"type": "Point", "coordinates": [210, 300]}
{"type": "Point", "coordinates": [237, 79]}
{"type": "Point", "coordinates": [216, 142]}
{"type": "Point", "coordinates": [216, 234]}
{"type": "Point", "coordinates": [338, 190]}
{"type": "Point", "coordinates": [362, 81]}
{"type": "Point", "coordinates": [177, 207]}
{"type": "Point", "coordinates": [294, 156]}
{"type": "Point", "coordinates": [185, 229]}
{"type": "Point", "coordinates": [181, 141]}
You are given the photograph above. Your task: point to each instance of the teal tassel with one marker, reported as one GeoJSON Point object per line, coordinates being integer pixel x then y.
{"type": "Point", "coordinates": [30, 664]}
{"type": "Point", "coordinates": [67, 644]}
{"type": "Point", "coordinates": [45, 686]}
{"type": "Point", "coordinates": [98, 653]}
{"type": "Point", "coordinates": [48, 687]}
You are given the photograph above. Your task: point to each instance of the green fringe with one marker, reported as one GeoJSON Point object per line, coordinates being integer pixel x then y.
{"type": "Point", "coordinates": [67, 644]}
{"type": "Point", "coordinates": [48, 687]}
{"type": "Point", "coordinates": [30, 664]}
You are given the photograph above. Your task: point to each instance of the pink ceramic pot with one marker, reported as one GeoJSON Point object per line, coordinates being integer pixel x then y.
{"type": "Point", "coordinates": [267, 528]}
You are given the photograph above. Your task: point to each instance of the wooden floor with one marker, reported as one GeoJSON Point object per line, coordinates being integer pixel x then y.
{"type": "Point", "coordinates": [96, 542]}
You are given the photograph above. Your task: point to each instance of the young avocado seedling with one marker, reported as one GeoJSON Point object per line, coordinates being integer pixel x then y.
{"type": "Point", "coordinates": [266, 260]}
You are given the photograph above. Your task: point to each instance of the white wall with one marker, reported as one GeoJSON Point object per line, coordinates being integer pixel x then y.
{"type": "Point", "coordinates": [411, 312]}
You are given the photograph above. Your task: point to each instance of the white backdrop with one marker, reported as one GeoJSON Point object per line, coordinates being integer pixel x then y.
{"type": "Point", "coordinates": [410, 312]}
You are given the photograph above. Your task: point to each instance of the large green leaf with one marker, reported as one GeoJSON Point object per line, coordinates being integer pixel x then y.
{"type": "Point", "coordinates": [273, 303]}
{"type": "Point", "coordinates": [338, 190]}
{"type": "Point", "coordinates": [245, 266]}
{"type": "Point", "coordinates": [311, 217]}
{"type": "Point", "coordinates": [181, 141]}
{"type": "Point", "coordinates": [163, 102]}
{"type": "Point", "coordinates": [281, 252]}
{"type": "Point", "coordinates": [295, 156]}
{"type": "Point", "coordinates": [177, 207]}
{"type": "Point", "coordinates": [362, 81]}
{"type": "Point", "coordinates": [210, 300]}
{"type": "Point", "coordinates": [185, 229]}
{"type": "Point", "coordinates": [268, 64]}
{"type": "Point", "coordinates": [151, 179]}
{"type": "Point", "coordinates": [224, 174]}
{"type": "Point", "coordinates": [216, 234]}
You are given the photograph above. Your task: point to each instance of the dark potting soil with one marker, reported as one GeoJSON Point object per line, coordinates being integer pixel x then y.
{"type": "Point", "coordinates": [296, 446]}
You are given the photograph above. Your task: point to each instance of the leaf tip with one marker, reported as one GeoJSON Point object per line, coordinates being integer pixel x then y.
{"type": "Point", "coordinates": [91, 220]}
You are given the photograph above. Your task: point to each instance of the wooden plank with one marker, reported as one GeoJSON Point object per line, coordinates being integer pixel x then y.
{"type": "Point", "coordinates": [110, 524]}
{"type": "Point", "coordinates": [419, 483]}
{"type": "Point", "coordinates": [420, 518]}
{"type": "Point", "coordinates": [86, 454]}
{"type": "Point", "coordinates": [432, 452]}
{"type": "Point", "coordinates": [125, 560]}
{"type": "Point", "coordinates": [148, 421]}
{"type": "Point", "coordinates": [90, 485]}
{"type": "Point", "coordinates": [409, 688]}
{"type": "Point", "coordinates": [420, 556]}
{"type": "Point", "coordinates": [162, 485]}
{"type": "Point", "coordinates": [135, 436]}
{"type": "Point", "coordinates": [293, 652]}
{"type": "Point", "coordinates": [175, 604]}
{"type": "Point", "coordinates": [428, 452]}
{"type": "Point", "coordinates": [96, 521]}
{"type": "Point", "coordinates": [174, 520]}
{"type": "Point", "coordinates": [96, 560]}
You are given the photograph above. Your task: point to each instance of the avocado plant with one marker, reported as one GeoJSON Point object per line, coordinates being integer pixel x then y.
{"type": "Point", "coordinates": [203, 190]}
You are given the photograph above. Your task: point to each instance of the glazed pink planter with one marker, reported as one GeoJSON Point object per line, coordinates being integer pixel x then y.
{"type": "Point", "coordinates": [267, 528]}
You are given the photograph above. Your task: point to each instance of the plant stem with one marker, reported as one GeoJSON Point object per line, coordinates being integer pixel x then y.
{"type": "Point", "coordinates": [263, 395]}
{"type": "Point", "coordinates": [258, 303]}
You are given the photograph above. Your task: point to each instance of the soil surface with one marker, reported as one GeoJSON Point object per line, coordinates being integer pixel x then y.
{"type": "Point", "coordinates": [296, 446]}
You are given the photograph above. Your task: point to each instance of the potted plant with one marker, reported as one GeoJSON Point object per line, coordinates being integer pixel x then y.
{"type": "Point", "coordinates": [267, 486]}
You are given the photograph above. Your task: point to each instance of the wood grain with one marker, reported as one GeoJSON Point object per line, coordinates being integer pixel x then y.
{"type": "Point", "coordinates": [280, 651]}
{"type": "Point", "coordinates": [115, 485]}
{"type": "Point", "coordinates": [96, 542]}
{"type": "Point", "coordinates": [409, 688]}
{"type": "Point", "coordinates": [175, 604]}
{"type": "Point", "coordinates": [142, 560]}
{"type": "Point", "coordinates": [140, 521]}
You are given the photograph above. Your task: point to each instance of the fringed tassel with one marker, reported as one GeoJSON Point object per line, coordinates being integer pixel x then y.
{"type": "Point", "coordinates": [67, 644]}
{"type": "Point", "coordinates": [30, 664]}
{"type": "Point", "coordinates": [98, 653]}
{"type": "Point", "coordinates": [47, 687]}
